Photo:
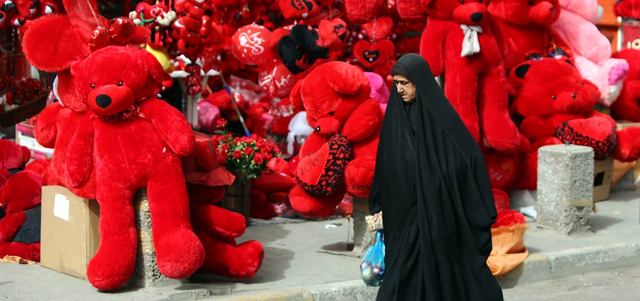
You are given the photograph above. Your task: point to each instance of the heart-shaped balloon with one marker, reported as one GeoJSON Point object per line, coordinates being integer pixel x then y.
{"type": "Point", "coordinates": [371, 55]}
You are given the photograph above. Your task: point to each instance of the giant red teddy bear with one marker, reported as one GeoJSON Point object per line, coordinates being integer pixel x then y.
{"type": "Point", "coordinates": [561, 110]}
{"type": "Point", "coordinates": [474, 74]}
{"type": "Point", "coordinates": [627, 107]}
{"type": "Point", "coordinates": [339, 156]}
{"type": "Point", "coordinates": [523, 27]}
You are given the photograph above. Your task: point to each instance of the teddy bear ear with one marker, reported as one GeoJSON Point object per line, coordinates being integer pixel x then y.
{"type": "Point", "coordinates": [346, 79]}
{"type": "Point", "coordinates": [521, 71]}
{"type": "Point", "coordinates": [52, 44]}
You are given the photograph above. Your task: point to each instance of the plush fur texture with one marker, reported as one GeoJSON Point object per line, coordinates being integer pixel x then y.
{"type": "Point", "coordinates": [591, 49]}
{"type": "Point", "coordinates": [18, 193]}
{"type": "Point", "coordinates": [12, 155]}
{"type": "Point", "coordinates": [522, 27]}
{"type": "Point", "coordinates": [135, 142]}
{"type": "Point", "coordinates": [627, 107]}
{"type": "Point", "coordinates": [336, 98]}
{"type": "Point", "coordinates": [475, 85]}
{"type": "Point", "coordinates": [549, 106]}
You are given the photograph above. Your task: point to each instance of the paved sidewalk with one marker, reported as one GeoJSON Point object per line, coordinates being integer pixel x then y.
{"type": "Point", "coordinates": [297, 267]}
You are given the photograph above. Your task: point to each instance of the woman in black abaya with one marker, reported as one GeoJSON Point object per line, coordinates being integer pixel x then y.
{"type": "Point", "coordinates": [432, 188]}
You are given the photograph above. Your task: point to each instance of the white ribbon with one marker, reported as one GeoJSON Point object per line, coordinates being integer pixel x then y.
{"type": "Point", "coordinates": [470, 43]}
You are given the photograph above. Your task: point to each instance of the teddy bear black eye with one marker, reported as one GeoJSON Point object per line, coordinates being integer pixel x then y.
{"type": "Point", "coordinates": [553, 97]}
{"type": "Point", "coordinates": [120, 83]}
{"type": "Point", "coordinates": [574, 95]}
{"type": "Point", "coordinates": [93, 86]}
{"type": "Point", "coordinates": [531, 3]}
{"type": "Point", "coordinates": [332, 113]}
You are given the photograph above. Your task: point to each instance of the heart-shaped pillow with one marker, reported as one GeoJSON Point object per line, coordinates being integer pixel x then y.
{"type": "Point", "coordinates": [597, 132]}
{"type": "Point", "coordinates": [371, 55]}
{"type": "Point", "coordinates": [322, 173]}
{"type": "Point", "coordinates": [296, 9]}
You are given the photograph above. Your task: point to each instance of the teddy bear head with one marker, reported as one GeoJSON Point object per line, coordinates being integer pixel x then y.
{"type": "Point", "coordinates": [545, 86]}
{"type": "Point", "coordinates": [526, 12]}
{"type": "Point", "coordinates": [115, 78]}
{"type": "Point", "coordinates": [470, 12]}
{"type": "Point", "coordinates": [330, 93]}
{"type": "Point", "coordinates": [628, 8]}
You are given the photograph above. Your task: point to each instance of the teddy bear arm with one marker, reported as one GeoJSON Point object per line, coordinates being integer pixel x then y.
{"type": "Point", "coordinates": [432, 43]}
{"type": "Point", "coordinates": [80, 154]}
{"type": "Point", "coordinates": [46, 129]}
{"type": "Point", "coordinates": [535, 127]}
{"type": "Point", "coordinates": [10, 224]}
{"type": "Point", "coordinates": [363, 122]}
{"type": "Point", "coordinates": [171, 125]}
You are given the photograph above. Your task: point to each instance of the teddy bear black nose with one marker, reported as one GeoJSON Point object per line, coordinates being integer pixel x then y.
{"type": "Point", "coordinates": [103, 101]}
{"type": "Point", "coordinates": [476, 17]}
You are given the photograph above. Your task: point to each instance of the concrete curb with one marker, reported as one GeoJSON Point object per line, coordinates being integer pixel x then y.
{"type": "Point", "coordinates": [537, 267]}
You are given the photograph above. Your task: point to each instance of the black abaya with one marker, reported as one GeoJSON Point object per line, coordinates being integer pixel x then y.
{"type": "Point", "coordinates": [432, 186]}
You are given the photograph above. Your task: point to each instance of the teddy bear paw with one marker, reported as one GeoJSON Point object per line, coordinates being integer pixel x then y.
{"type": "Point", "coordinates": [179, 254]}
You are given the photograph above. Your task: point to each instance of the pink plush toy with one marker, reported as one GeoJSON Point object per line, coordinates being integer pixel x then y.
{"type": "Point", "coordinates": [576, 29]}
{"type": "Point", "coordinates": [379, 89]}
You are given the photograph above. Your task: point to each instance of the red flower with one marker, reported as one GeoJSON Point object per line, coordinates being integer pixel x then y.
{"type": "Point", "coordinates": [258, 159]}
{"type": "Point", "coordinates": [237, 154]}
{"type": "Point", "coordinates": [248, 151]}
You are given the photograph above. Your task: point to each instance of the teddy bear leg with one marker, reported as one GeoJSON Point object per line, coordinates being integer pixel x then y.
{"type": "Point", "coordinates": [461, 89]}
{"type": "Point", "coordinates": [359, 176]}
{"type": "Point", "coordinates": [309, 205]}
{"type": "Point", "coordinates": [628, 144]}
{"type": "Point", "coordinates": [224, 257]}
{"type": "Point", "coordinates": [500, 133]}
{"type": "Point", "coordinates": [178, 250]}
{"type": "Point", "coordinates": [10, 224]}
{"type": "Point", "coordinates": [219, 221]}
{"type": "Point", "coordinates": [114, 263]}
{"type": "Point", "coordinates": [22, 250]}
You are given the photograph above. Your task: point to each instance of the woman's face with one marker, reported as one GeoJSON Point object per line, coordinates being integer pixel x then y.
{"type": "Point", "coordinates": [405, 88]}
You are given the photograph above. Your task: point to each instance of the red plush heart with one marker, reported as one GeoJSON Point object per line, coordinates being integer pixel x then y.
{"type": "Point", "coordinates": [379, 29]}
{"type": "Point", "coordinates": [322, 173]}
{"type": "Point", "coordinates": [371, 55]}
{"type": "Point", "coordinates": [597, 132]}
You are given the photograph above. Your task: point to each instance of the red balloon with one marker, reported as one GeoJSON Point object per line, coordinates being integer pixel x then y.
{"type": "Point", "coordinates": [250, 44]}
{"type": "Point", "coordinates": [276, 79]}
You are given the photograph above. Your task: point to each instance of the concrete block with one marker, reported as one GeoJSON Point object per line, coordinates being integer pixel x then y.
{"type": "Point", "coordinates": [147, 273]}
{"type": "Point", "coordinates": [565, 187]}
{"type": "Point", "coordinates": [361, 237]}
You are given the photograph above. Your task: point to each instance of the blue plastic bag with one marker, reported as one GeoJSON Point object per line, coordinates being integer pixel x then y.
{"type": "Point", "coordinates": [372, 265]}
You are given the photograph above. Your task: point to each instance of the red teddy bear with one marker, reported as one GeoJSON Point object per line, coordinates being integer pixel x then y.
{"type": "Point", "coordinates": [522, 27]}
{"type": "Point", "coordinates": [339, 156]}
{"type": "Point", "coordinates": [475, 79]}
{"type": "Point", "coordinates": [135, 141]}
{"type": "Point", "coordinates": [627, 107]}
{"type": "Point", "coordinates": [561, 110]}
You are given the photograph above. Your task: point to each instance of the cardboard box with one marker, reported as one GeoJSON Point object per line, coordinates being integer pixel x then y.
{"type": "Point", "coordinates": [69, 231]}
{"type": "Point", "coordinates": [602, 174]}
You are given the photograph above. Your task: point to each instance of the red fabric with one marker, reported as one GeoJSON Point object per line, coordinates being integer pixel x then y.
{"type": "Point", "coordinates": [482, 102]}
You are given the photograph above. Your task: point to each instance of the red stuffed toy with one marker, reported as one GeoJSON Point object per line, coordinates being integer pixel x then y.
{"type": "Point", "coordinates": [121, 97]}
{"type": "Point", "coordinates": [522, 27]}
{"type": "Point", "coordinates": [627, 107]}
{"type": "Point", "coordinates": [339, 156]}
{"type": "Point", "coordinates": [218, 228]}
{"type": "Point", "coordinates": [475, 79]}
{"type": "Point", "coordinates": [561, 110]}
{"type": "Point", "coordinates": [20, 196]}
{"type": "Point", "coordinates": [375, 50]}
{"type": "Point", "coordinates": [12, 155]}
